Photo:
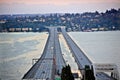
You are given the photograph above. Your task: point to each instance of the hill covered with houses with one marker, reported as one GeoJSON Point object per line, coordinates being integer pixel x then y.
{"type": "Point", "coordinates": [88, 21]}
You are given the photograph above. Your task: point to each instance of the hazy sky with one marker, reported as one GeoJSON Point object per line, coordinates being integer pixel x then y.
{"type": "Point", "coordinates": [56, 6]}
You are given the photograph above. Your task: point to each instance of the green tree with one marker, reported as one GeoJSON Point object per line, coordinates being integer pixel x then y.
{"type": "Point", "coordinates": [66, 73]}
{"type": "Point", "coordinates": [89, 75]}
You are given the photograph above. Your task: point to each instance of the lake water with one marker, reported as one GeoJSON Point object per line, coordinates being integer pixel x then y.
{"type": "Point", "coordinates": [18, 49]}
{"type": "Point", "coordinates": [100, 47]}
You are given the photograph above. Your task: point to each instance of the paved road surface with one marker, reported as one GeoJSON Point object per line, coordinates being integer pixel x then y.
{"type": "Point", "coordinates": [60, 62]}
{"type": "Point", "coordinates": [80, 57]}
{"type": "Point", "coordinates": [50, 61]}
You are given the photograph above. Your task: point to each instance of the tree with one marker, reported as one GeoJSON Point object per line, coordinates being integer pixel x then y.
{"type": "Point", "coordinates": [89, 75]}
{"type": "Point", "coordinates": [66, 73]}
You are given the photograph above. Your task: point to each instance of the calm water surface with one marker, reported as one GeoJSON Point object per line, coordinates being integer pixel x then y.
{"type": "Point", "coordinates": [100, 47]}
{"type": "Point", "coordinates": [15, 56]}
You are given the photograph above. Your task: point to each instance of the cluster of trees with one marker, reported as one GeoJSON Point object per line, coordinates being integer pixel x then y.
{"type": "Point", "coordinates": [33, 25]}
{"type": "Point", "coordinates": [110, 20]}
{"type": "Point", "coordinates": [89, 74]}
{"type": "Point", "coordinates": [66, 73]}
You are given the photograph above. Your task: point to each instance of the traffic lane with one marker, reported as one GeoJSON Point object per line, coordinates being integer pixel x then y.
{"type": "Point", "coordinates": [103, 76]}
{"type": "Point", "coordinates": [59, 58]}
{"type": "Point", "coordinates": [32, 73]}
{"type": "Point", "coordinates": [77, 52]}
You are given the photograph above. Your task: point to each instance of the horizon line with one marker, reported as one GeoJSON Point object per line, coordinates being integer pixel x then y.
{"type": "Point", "coordinates": [45, 13]}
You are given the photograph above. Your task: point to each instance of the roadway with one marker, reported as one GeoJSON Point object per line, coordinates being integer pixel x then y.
{"type": "Point", "coordinates": [60, 62]}
{"type": "Point", "coordinates": [50, 61]}
{"type": "Point", "coordinates": [80, 58]}
{"type": "Point", "coordinates": [78, 54]}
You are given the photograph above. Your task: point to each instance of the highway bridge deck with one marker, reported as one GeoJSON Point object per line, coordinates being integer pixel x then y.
{"type": "Point", "coordinates": [81, 58]}
{"type": "Point", "coordinates": [60, 62]}
{"type": "Point", "coordinates": [50, 61]}
{"type": "Point", "coordinates": [79, 55]}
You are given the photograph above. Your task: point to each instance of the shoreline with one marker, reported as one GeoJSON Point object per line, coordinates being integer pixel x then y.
{"type": "Point", "coordinates": [20, 64]}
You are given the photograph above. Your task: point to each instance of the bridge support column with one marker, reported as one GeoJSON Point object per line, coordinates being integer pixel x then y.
{"type": "Point", "coordinates": [115, 76]}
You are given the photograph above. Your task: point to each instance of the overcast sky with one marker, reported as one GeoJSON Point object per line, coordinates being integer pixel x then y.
{"type": "Point", "coordinates": [56, 6]}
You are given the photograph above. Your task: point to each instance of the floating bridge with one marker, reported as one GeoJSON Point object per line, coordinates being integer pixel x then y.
{"type": "Point", "coordinates": [82, 60]}
{"type": "Point", "coordinates": [51, 61]}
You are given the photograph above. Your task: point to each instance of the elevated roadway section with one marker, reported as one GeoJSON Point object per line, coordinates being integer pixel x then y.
{"type": "Point", "coordinates": [78, 54]}
{"type": "Point", "coordinates": [51, 61]}
{"type": "Point", "coordinates": [60, 62]}
{"type": "Point", "coordinates": [81, 59]}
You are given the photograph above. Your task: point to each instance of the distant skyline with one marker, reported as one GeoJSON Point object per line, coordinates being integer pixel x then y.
{"type": "Point", "coordinates": [56, 6]}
